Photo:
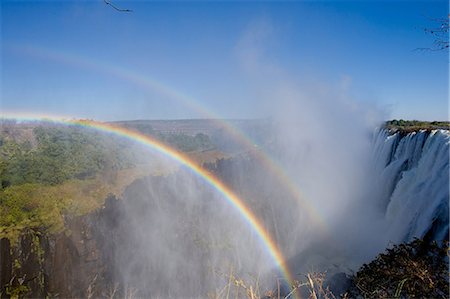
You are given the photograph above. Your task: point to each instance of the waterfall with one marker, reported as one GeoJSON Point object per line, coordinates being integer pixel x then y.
{"type": "Point", "coordinates": [411, 183]}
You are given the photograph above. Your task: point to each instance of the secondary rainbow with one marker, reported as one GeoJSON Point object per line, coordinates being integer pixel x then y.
{"type": "Point", "coordinates": [214, 182]}
{"type": "Point", "coordinates": [152, 85]}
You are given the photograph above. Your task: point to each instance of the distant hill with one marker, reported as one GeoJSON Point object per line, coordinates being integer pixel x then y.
{"type": "Point", "coordinates": [204, 134]}
{"type": "Point", "coordinates": [188, 126]}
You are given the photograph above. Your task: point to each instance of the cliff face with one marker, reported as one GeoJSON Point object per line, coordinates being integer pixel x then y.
{"type": "Point", "coordinates": [106, 252]}
{"type": "Point", "coordinates": [156, 241]}
{"type": "Point", "coordinates": [76, 263]}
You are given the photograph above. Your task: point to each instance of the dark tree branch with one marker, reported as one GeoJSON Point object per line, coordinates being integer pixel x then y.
{"type": "Point", "coordinates": [439, 33]}
{"type": "Point", "coordinates": [108, 2]}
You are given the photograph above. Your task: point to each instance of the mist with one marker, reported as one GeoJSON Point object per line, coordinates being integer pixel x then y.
{"type": "Point", "coordinates": [323, 140]}
{"type": "Point", "coordinates": [180, 238]}
{"type": "Point", "coordinates": [320, 178]}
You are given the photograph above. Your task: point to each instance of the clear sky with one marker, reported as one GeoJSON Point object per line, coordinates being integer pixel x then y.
{"type": "Point", "coordinates": [178, 59]}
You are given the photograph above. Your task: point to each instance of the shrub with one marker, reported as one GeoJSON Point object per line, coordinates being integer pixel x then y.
{"type": "Point", "coordinates": [416, 269]}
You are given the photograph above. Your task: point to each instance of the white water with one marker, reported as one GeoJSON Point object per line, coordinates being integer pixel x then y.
{"type": "Point", "coordinates": [412, 183]}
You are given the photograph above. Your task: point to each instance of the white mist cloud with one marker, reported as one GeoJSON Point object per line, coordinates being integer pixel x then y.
{"type": "Point", "coordinates": [182, 237]}
{"type": "Point", "coordinates": [323, 140]}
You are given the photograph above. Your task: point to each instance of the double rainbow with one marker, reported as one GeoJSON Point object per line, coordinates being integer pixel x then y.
{"type": "Point", "coordinates": [151, 85]}
{"type": "Point", "coordinates": [234, 200]}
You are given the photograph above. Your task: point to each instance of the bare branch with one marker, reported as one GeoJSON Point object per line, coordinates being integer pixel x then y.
{"type": "Point", "coordinates": [439, 33]}
{"type": "Point", "coordinates": [108, 2]}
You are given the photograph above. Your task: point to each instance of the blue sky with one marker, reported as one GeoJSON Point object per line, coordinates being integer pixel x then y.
{"type": "Point", "coordinates": [179, 59]}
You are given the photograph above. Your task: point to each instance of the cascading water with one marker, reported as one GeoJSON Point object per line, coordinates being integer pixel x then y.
{"type": "Point", "coordinates": [412, 183]}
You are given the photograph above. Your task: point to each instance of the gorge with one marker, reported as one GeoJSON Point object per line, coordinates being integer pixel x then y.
{"type": "Point", "coordinates": [157, 240]}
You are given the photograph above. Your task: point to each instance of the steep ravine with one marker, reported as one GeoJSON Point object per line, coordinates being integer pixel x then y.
{"type": "Point", "coordinates": [410, 187]}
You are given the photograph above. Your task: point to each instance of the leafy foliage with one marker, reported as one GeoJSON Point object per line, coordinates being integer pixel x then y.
{"type": "Point", "coordinates": [43, 208]}
{"type": "Point", "coordinates": [407, 126]}
{"type": "Point", "coordinates": [181, 141]}
{"type": "Point", "coordinates": [54, 171]}
{"type": "Point", "coordinates": [59, 154]}
{"type": "Point", "coordinates": [416, 269]}
{"type": "Point", "coordinates": [50, 171]}
{"type": "Point", "coordinates": [187, 143]}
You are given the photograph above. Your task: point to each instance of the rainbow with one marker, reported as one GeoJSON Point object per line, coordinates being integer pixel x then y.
{"type": "Point", "coordinates": [236, 202]}
{"type": "Point", "coordinates": [152, 85]}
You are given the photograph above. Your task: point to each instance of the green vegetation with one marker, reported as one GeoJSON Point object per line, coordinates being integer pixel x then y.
{"type": "Point", "coordinates": [56, 154]}
{"type": "Point", "coordinates": [187, 143]}
{"type": "Point", "coordinates": [42, 208]}
{"type": "Point", "coordinates": [407, 126]}
{"type": "Point", "coordinates": [51, 171]}
{"type": "Point", "coordinates": [181, 141]}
